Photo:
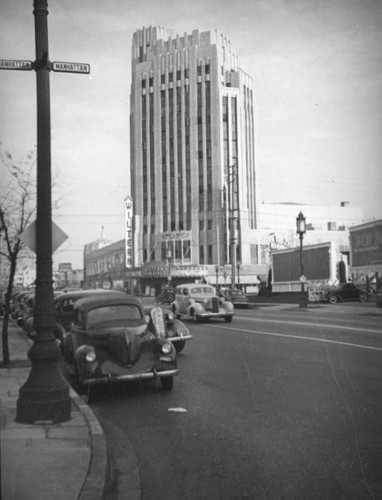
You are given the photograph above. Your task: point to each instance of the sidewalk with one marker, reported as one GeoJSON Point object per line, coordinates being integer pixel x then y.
{"type": "Point", "coordinates": [64, 461]}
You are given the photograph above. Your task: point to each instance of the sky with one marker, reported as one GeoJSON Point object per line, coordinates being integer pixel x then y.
{"type": "Point", "coordinates": [317, 70]}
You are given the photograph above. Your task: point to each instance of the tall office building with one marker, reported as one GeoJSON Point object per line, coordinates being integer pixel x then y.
{"type": "Point", "coordinates": [192, 150]}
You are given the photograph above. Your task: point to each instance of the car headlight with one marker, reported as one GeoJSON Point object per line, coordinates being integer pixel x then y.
{"type": "Point", "coordinates": [90, 357]}
{"type": "Point", "coordinates": [170, 315]}
{"type": "Point", "coordinates": [166, 348]}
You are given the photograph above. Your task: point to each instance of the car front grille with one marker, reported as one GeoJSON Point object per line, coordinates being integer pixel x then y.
{"type": "Point", "coordinates": [215, 304]}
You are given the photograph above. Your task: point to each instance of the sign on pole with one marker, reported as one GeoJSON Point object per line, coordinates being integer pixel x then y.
{"type": "Point", "coordinates": [71, 67]}
{"type": "Point", "coordinates": [16, 65]}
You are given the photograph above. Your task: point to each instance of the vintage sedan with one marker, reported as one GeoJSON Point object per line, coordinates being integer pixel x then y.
{"type": "Point", "coordinates": [237, 297]}
{"type": "Point", "coordinates": [64, 307]}
{"type": "Point", "coordinates": [345, 291]}
{"type": "Point", "coordinates": [200, 303]}
{"type": "Point", "coordinates": [112, 340]}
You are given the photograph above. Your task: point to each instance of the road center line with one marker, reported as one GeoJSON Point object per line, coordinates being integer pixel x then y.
{"type": "Point", "coordinates": [338, 327]}
{"type": "Point", "coordinates": [315, 339]}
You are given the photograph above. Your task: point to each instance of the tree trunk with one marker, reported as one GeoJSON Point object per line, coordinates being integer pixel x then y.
{"type": "Point", "coordinates": [5, 344]}
{"type": "Point", "coordinates": [7, 311]}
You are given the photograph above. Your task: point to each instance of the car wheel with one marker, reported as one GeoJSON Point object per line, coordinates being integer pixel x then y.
{"type": "Point", "coordinates": [228, 319]}
{"type": "Point", "coordinates": [179, 346]}
{"type": "Point", "coordinates": [333, 299]}
{"type": "Point", "coordinates": [167, 383]}
{"type": "Point", "coordinates": [363, 297]}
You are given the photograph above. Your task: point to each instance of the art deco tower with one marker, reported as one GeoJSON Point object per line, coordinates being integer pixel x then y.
{"type": "Point", "coordinates": [192, 149]}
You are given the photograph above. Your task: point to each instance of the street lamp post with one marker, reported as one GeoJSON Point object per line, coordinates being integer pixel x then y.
{"type": "Point", "coordinates": [301, 230]}
{"type": "Point", "coordinates": [238, 274]}
{"type": "Point", "coordinates": [217, 276]}
{"type": "Point", "coordinates": [45, 395]}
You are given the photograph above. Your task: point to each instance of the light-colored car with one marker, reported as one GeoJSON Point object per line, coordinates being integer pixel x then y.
{"type": "Point", "coordinates": [200, 303]}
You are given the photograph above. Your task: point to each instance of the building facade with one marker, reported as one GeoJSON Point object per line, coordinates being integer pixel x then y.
{"type": "Point", "coordinates": [192, 150]}
{"type": "Point", "coordinates": [366, 250]}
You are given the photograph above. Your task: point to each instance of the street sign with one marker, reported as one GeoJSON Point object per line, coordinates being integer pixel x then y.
{"type": "Point", "coordinates": [28, 236]}
{"type": "Point", "coordinates": [303, 278]}
{"type": "Point", "coordinates": [71, 67]}
{"type": "Point", "coordinates": [15, 65]}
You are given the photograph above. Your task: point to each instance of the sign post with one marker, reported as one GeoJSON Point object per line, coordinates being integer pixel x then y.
{"type": "Point", "coordinates": [44, 397]}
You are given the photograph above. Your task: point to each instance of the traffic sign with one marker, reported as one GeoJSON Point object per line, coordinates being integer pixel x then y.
{"type": "Point", "coordinates": [71, 67]}
{"type": "Point", "coordinates": [16, 65]}
{"type": "Point", "coordinates": [28, 236]}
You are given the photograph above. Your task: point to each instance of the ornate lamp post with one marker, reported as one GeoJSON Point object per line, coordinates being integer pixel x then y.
{"type": "Point", "coordinates": [238, 274]}
{"type": "Point", "coordinates": [45, 395]}
{"type": "Point", "coordinates": [217, 276]}
{"type": "Point", "coordinates": [301, 230]}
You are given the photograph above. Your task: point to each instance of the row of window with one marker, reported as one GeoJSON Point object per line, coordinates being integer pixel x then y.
{"type": "Point", "coordinates": [178, 75]}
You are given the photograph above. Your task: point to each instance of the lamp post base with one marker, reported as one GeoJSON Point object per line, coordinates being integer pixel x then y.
{"type": "Point", "coordinates": [303, 302]}
{"type": "Point", "coordinates": [45, 395]}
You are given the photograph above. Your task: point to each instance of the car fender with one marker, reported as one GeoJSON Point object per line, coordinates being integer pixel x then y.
{"type": "Point", "coordinates": [79, 359]}
{"type": "Point", "coordinates": [195, 306]}
{"type": "Point", "coordinates": [174, 307]}
{"type": "Point", "coordinates": [173, 326]}
{"type": "Point", "coordinates": [227, 306]}
{"type": "Point", "coordinates": [67, 347]}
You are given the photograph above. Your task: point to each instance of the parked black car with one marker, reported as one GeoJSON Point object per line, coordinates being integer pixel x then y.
{"type": "Point", "coordinates": [237, 297]}
{"type": "Point", "coordinates": [346, 291]}
{"type": "Point", "coordinates": [112, 340]}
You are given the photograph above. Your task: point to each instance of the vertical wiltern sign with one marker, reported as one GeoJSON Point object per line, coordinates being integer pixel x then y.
{"type": "Point", "coordinates": [129, 232]}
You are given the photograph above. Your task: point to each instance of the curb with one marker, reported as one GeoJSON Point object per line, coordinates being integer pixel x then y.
{"type": "Point", "coordinates": [95, 481]}
{"type": "Point", "coordinates": [94, 484]}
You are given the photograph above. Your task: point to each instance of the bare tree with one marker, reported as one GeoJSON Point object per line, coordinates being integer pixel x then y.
{"type": "Point", "coordinates": [17, 208]}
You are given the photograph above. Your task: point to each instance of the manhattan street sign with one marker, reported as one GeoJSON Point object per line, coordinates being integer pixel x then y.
{"type": "Point", "coordinates": [62, 67]}
{"type": "Point", "coordinates": [16, 65]}
{"type": "Point", "coordinates": [70, 67]}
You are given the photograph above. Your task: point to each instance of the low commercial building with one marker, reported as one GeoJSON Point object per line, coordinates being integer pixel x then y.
{"type": "Point", "coordinates": [366, 251]}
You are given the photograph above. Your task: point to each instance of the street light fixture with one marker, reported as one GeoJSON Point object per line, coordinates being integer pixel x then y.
{"type": "Point", "coordinates": [301, 230]}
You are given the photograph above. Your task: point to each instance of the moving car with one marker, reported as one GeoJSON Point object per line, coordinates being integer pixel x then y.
{"type": "Point", "coordinates": [346, 291]}
{"type": "Point", "coordinates": [112, 340]}
{"type": "Point", "coordinates": [200, 303]}
{"type": "Point", "coordinates": [237, 297]}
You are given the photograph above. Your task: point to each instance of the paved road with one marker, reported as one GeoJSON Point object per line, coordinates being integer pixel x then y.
{"type": "Point", "coordinates": [279, 404]}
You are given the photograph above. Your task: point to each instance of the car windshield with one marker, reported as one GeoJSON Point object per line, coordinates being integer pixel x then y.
{"type": "Point", "coordinates": [113, 313]}
{"type": "Point", "coordinates": [236, 293]}
{"type": "Point", "coordinates": [203, 290]}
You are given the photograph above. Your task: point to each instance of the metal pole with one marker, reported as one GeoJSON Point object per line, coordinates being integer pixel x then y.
{"type": "Point", "coordinates": [45, 395]}
{"type": "Point", "coordinates": [302, 301]}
